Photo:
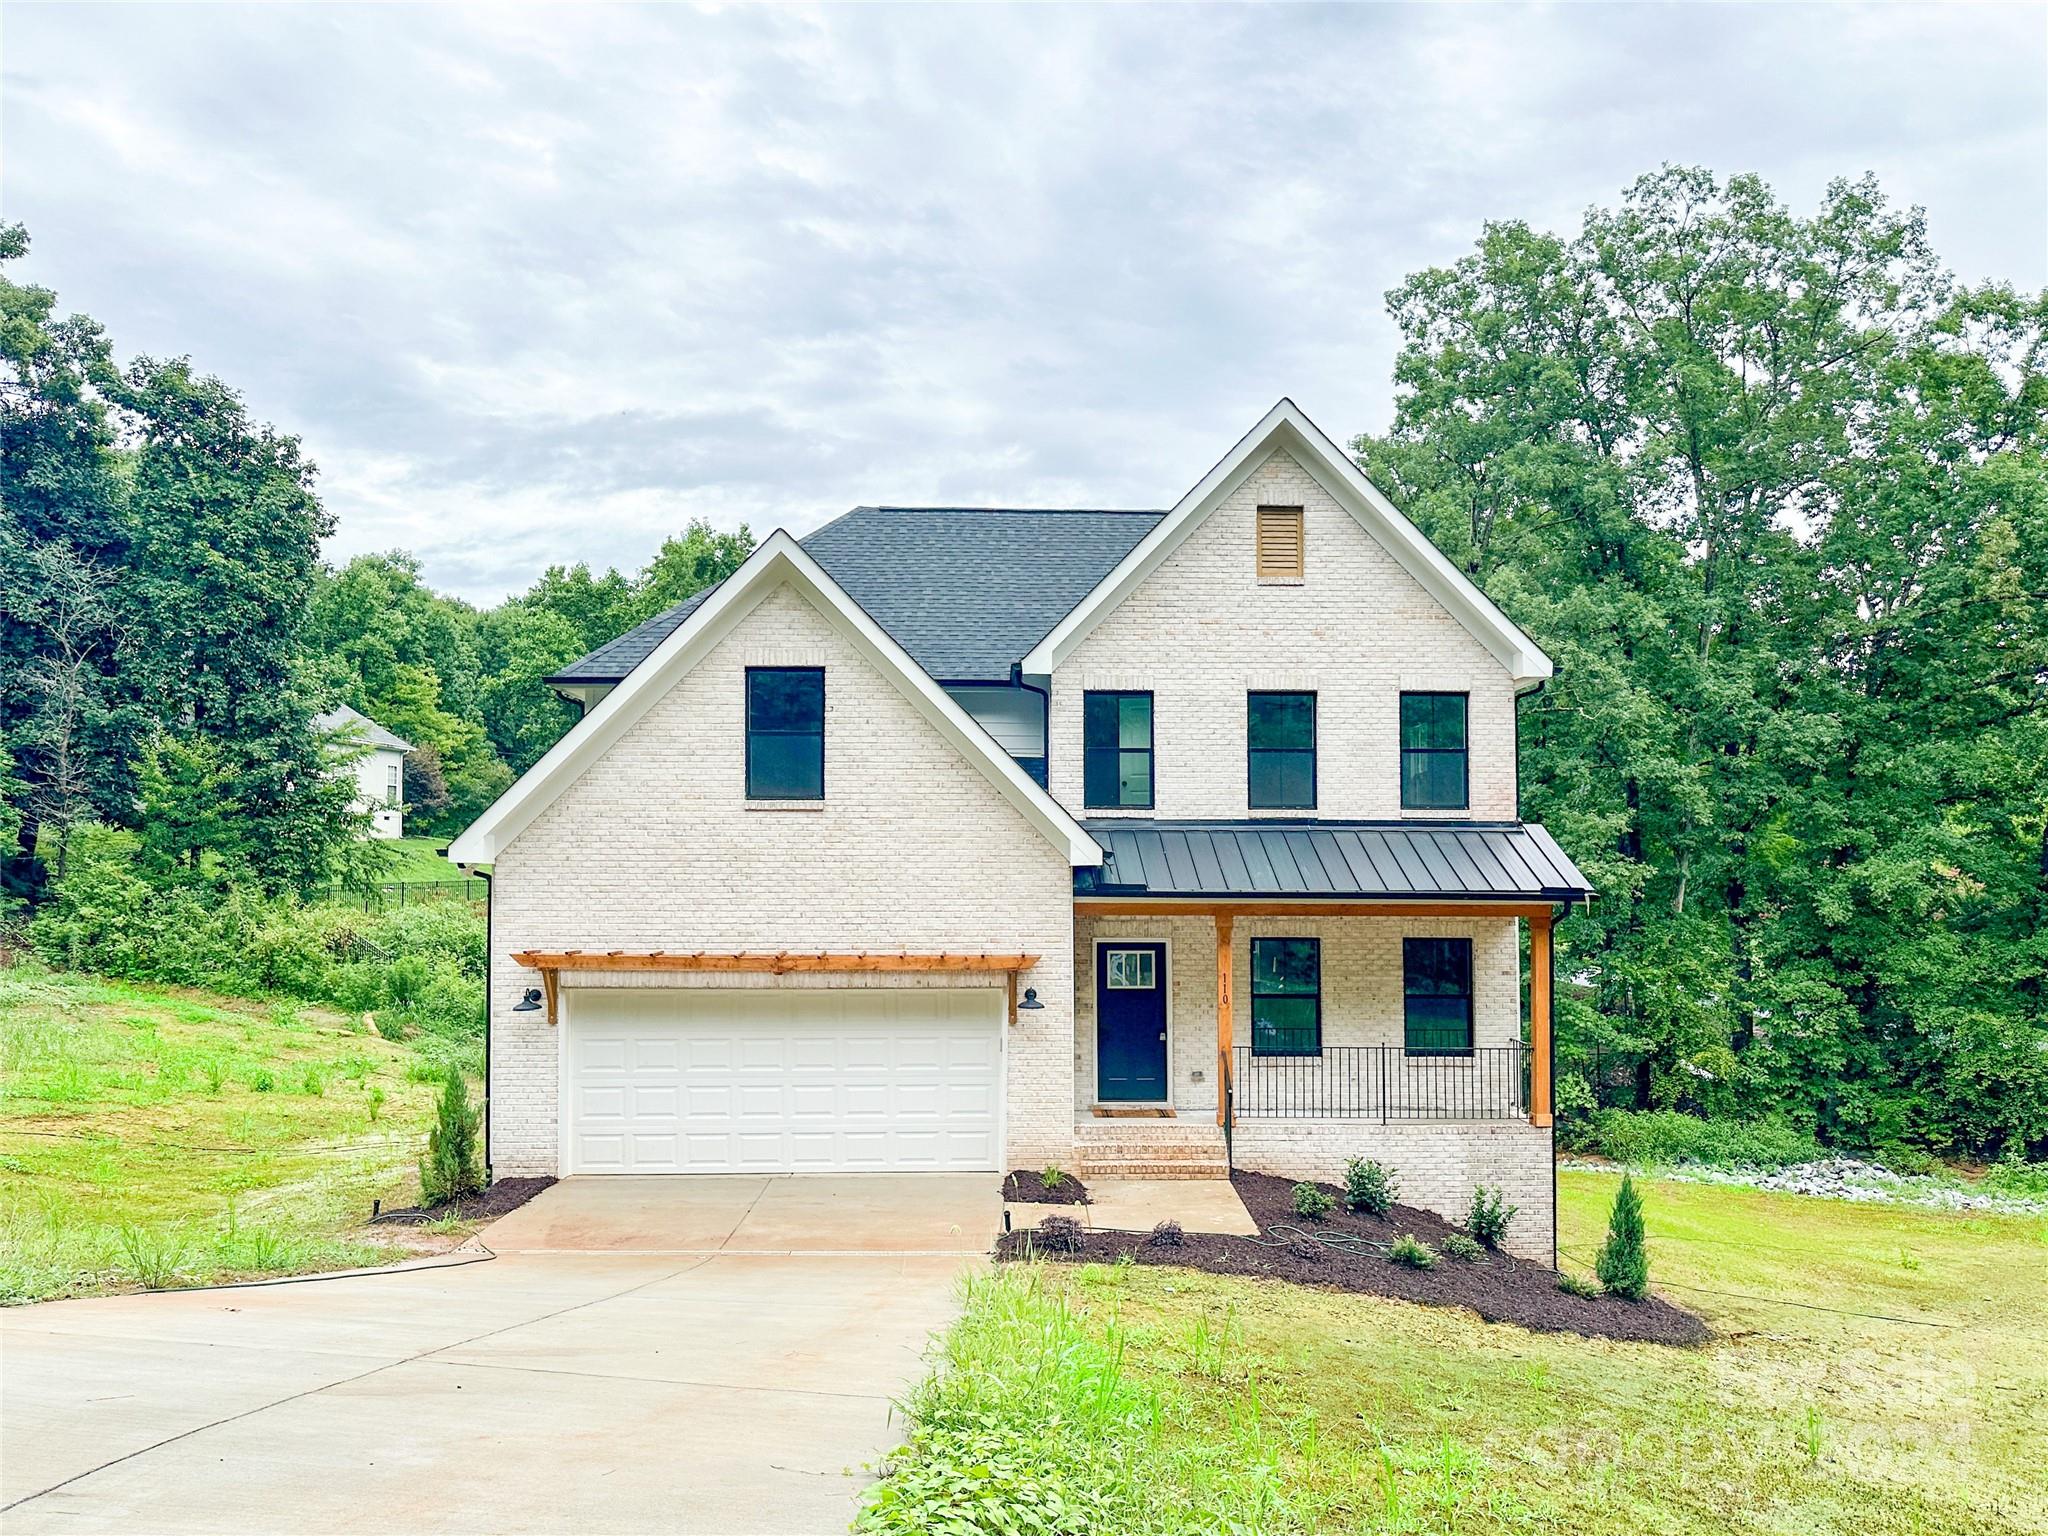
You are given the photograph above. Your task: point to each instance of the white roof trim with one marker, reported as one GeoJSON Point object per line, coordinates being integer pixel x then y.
{"type": "Point", "coordinates": [779, 558]}
{"type": "Point", "coordinates": [1285, 427]}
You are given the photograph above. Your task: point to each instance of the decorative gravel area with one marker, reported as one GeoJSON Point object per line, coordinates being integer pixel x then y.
{"type": "Point", "coordinates": [1025, 1186]}
{"type": "Point", "coordinates": [1844, 1178]}
{"type": "Point", "coordinates": [1346, 1252]}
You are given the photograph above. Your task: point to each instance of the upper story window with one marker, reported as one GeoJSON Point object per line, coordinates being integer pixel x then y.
{"type": "Point", "coordinates": [785, 733]}
{"type": "Point", "coordinates": [1280, 732]}
{"type": "Point", "coordinates": [394, 783]}
{"type": "Point", "coordinates": [1281, 554]}
{"type": "Point", "coordinates": [1116, 750]}
{"type": "Point", "coordinates": [1436, 983]}
{"type": "Point", "coordinates": [1287, 997]}
{"type": "Point", "coordinates": [1433, 758]}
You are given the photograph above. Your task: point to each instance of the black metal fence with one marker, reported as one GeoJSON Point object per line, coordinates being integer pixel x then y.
{"type": "Point", "coordinates": [1382, 1082]}
{"type": "Point", "coordinates": [403, 893]}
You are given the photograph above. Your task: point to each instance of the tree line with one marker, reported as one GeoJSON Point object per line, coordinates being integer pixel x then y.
{"type": "Point", "coordinates": [1773, 491]}
{"type": "Point", "coordinates": [168, 630]}
{"type": "Point", "coordinates": [1772, 488]}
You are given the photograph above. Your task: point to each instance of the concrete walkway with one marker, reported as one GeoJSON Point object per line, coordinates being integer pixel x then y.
{"type": "Point", "coordinates": [643, 1356]}
{"type": "Point", "coordinates": [1139, 1205]}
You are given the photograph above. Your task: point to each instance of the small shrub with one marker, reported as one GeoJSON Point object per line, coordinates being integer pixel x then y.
{"type": "Point", "coordinates": [1462, 1248]}
{"type": "Point", "coordinates": [1312, 1202]}
{"type": "Point", "coordinates": [1624, 1263]}
{"type": "Point", "coordinates": [1489, 1216]}
{"type": "Point", "coordinates": [1308, 1250]}
{"type": "Point", "coordinates": [1058, 1234]}
{"type": "Point", "coordinates": [1369, 1187]}
{"type": "Point", "coordinates": [1167, 1235]}
{"type": "Point", "coordinates": [1053, 1176]}
{"type": "Point", "coordinates": [1579, 1286]}
{"type": "Point", "coordinates": [1412, 1251]}
{"type": "Point", "coordinates": [451, 1170]}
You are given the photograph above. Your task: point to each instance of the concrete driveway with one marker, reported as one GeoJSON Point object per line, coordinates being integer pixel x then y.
{"type": "Point", "coordinates": [643, 1355]}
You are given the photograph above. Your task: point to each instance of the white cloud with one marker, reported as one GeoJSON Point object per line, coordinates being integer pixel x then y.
{"type": "Point", "coordinates": [541, 285]}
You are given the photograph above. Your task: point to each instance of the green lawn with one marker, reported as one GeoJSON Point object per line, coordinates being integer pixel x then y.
{"type": "Point", "coordinates": [1880, 1371]}
{"type": "Point", "coordinates": [166, 1136]}
{"type": "Point", "coordinates": [419, 858]}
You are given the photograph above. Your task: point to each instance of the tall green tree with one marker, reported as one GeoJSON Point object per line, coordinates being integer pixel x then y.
{"type": "Point", "coordinates": [1769, 490]}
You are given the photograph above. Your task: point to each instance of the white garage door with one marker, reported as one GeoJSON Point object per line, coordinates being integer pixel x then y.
{"type": "Point", "coordinates": [847, 1080]}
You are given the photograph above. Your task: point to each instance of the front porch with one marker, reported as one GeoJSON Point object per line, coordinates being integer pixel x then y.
{"type": "Point", "coordinates": [1372, 1013]}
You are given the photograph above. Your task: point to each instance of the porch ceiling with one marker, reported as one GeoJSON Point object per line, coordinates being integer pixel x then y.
{"type": "Point", "coordinates": [1332, 860]}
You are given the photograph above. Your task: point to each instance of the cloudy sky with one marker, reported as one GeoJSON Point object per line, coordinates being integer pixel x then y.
{"type": "Point", "coordinates": [539, 286]}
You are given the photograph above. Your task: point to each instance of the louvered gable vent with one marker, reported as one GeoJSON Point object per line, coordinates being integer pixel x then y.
{"type": "Point", "coordinates": [1280, 554]}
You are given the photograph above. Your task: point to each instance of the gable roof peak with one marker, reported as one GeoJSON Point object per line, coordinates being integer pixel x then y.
{"type": "Point", "coordinates": [1287, 426]}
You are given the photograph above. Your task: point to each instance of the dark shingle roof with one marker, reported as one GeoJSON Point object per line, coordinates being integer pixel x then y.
{"type": "Point", "coordinates": [1338, 859]}
{"type": "Point", "coordinates": [966, 590]}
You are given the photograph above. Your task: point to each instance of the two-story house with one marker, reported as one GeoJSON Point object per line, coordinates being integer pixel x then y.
{"type": "Point", "coordinates": [950, 839]}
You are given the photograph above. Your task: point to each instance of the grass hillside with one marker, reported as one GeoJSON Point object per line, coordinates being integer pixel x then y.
{"type": "Point", "coordinates": [1879, 1372]}
{"type": "Point", "coordinates": [164, 1136]}
{"type": "Point", "coordinates": [419, 858]}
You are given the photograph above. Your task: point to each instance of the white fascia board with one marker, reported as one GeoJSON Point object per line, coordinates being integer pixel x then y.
{"type": "Point", "coordinates": [1285, 427]}
{"type": "Point", "coordinates": [779, 558]}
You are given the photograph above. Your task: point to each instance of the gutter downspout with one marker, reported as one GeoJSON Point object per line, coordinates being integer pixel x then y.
{"type": "Point", "coordinates": [1045, 740]}
{"type": "Point", "coordinates": [490, 1098]}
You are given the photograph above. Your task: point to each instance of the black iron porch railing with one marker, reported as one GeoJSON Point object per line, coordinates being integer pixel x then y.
{"type": "Point", "coordinates": [1382, 1082]}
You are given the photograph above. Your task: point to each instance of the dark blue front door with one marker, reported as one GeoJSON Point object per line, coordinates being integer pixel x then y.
{"type": "Point", "coordinates": [1130, 1022]}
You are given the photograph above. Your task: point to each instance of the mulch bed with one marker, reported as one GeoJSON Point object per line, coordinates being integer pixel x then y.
{"type": "Point", "coordinates": [503, 1196]}
{"type": "Point", "coordinates": [1024, 1186]}
{"type": "Point", "coordinates": [1501, 1289]}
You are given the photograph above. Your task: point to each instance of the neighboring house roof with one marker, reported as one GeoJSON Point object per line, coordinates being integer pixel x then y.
{"type": "Point", "coordinates": [1338, 859]}
{"type": "Point", "coordinates": [1286, 428]}
{"type": "Point", "coordinates": [967, 591]}
{"type": "Point", "coordinates": [343, 721]}
{"type": "Point", "coordinates": [778, 559]}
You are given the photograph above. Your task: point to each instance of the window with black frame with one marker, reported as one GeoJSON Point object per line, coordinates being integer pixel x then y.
{"type": "Point", "coordinates": [1287, 997]}
{"type": "Point", "coordinates": [785, 733]}
{"type": "Point", "coordinates": [1436, 980]}
{"type": "Point", "coordinates": [1280, 738]}
{"type": "Point", "coordinates": [1116, 750]}
{"type": "Point", "coordinates": [1434, 773]}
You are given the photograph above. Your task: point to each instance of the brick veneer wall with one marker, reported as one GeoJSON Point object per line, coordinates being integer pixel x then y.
{"type": "Point", "coordinates": [1361, 986]}
{"type": "Point", "coordinates": [1438, 1163]}
{"type": "Point", "coordinates": [1202, 630]}
{"type": "Point", "coordinates": [655, 847]}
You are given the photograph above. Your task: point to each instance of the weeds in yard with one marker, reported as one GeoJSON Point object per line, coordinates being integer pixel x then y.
{"type": "Point", "coordinates": [262, 1081]}
{"type": "Point", "coordinates": [314, 1083]}
{"type": "Point", "coordinates": [1579, 1286]}
{"type": "Point", "coordinates": [155, 1255]}
{"type": "Point", "coordinates": [376, 1103]}
{"type": "Point", "coordinates": [1053, 1176]}
{"type": "Point", "coordinates": [1811, 1435]}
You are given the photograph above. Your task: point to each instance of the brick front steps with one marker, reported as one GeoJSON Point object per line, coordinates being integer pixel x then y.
{"type": "Point", "coordinates": [1150, 1149]}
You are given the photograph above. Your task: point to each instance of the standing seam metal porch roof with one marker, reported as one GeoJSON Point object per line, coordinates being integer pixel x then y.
{"type": "Point", "coordinates": [1438, 860]}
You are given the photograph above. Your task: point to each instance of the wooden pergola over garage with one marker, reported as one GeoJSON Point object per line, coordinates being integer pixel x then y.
{"type": "Point", "coordinates": [551, 963]}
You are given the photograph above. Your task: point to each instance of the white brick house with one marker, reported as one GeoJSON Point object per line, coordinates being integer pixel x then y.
{"type": "Point", "coordinates": [975, 838]}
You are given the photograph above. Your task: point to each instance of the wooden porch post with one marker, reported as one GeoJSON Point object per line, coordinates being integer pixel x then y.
{"type": "Point", "coordinates": [1539, 1020]}
{"type": "Point", "coordinates": [1223, 1053]}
